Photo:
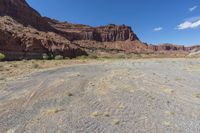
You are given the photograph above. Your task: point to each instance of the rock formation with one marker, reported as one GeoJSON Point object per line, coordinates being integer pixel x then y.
{"type": "Point", "coordinates": [19, 42]}
{"type": "Point", "coordinates": [25, 34]}
{"type": "Point", "coordinates": [194, 51]}
{"type": "Point", "coordinates": [20, 11]}
{"type": "Point", "coordinates": [109, 33]}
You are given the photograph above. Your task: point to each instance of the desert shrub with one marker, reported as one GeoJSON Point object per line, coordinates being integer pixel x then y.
{"type": "Point", "coordinates": [67, 58]}
{"type": "Point", "coordinates": [58, 57]}
{"type": "Point", "coordinates": [197, 95]}
{"type": "Point", "coordinates": [2, 56]}
{"type": "Point", "coordinates": [95, 114]}
{"type": "Point", "coordinates": [14, 65]}
{"type": "Point", "coordinates": [51, 56]}
{"type": "Point", "coordinates": [24, 61]}
{"type": "Point", "coordinates": [106, 57]}
{"type": "Point", "coordinates": [45, 56]}
{"type": "Point", "coordinates": [35, 66]}
{"type": "Point", "coordinates": [92, 56]}
{"type": "Point", "coordinates": [121, 57]}
{"type": "Point", "coordinates": [82, 57]}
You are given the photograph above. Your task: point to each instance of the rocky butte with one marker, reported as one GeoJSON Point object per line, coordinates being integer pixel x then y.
{"type": "Point", "coordinates": [25, 34]}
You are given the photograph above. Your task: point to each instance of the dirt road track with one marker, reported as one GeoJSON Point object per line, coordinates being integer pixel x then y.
{"type": "Point", "coordinates": [122, 96]}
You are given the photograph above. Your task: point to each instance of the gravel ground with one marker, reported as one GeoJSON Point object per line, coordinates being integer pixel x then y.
{"type": "Point", "coordinates": [121, 96]}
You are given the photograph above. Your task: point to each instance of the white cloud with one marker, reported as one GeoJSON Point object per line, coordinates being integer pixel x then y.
{"type": "Point", "coordinates": [158, 29]}
{"type": "Point", "coordinates": [189, 25]}
{"type": "Point", "coordinates": [193, 8]}
{"type": "Point", "coordinates": [192, 19]}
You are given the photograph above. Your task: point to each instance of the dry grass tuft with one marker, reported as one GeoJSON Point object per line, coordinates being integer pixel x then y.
{"type": "Point", "coordinates": [106, 114]}
{"type": "Point", "coordinates": [51, 111]}
{"type": "Point", "coordinates": [179, 79]}
{"type": "Point", "coordinates": [95, 114]}
{"type": "Point", "coordinates": [121, 106]}
{"type": "Point", "coordinates": [67, 93]}
{"type": "Point", "coordinates": [170, 112]}
{"type": "Point", "coordinates": [168, 90]}
{"type": "Point", "coordinates": [115, 122]}
{"type": "Point", "coordinates": [166, 123]}
{"type": "Point", "coordinates": [197, 95]}
{"type": "Point", "coordinates": [35, 66]}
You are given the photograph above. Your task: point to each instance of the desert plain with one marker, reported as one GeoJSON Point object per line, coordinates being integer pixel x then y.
{"type": "Point", "coordinates": [124, 95]}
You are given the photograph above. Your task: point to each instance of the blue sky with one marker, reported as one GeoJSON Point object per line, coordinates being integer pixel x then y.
{"type": "Point", "coordinates": [154, 21]}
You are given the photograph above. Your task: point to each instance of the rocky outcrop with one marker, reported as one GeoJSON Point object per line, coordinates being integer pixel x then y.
{"type": "Point", "coordinates": [172, 47]}
{"type": "Point", "coordinates": [26, 34]}
{"type": "Point", "coordinates": [167, 47]}
{"type": "Point", "coordinates": [194, 51]}
{"type": "Point", "coordinates": [109, 33]}
{"type": "Point", "coordinates": [20, 11]}
{"type": "Point", "coordinates": [19, 42]}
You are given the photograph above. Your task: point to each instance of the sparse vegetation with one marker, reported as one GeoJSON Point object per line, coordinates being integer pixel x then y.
{"type": "Point", "coordinates": [170, 112]}
{"type": "Point", "coordinates": [168, 90]}
{"type": "Point", "coordinates": [15, 69]}
{"type": "Point", "coordinates": [2, 78]}
{"type": "Point", "coordinates": [82, 57]}
{"type": "Point", "coordinates": [102, 95]}
{"type": "Point", "coordinates": [67, 58]}
{"type": "Point", "coordinates": [1, 67]}
{"type": "Point", "coordinates": [35, 66]}
{"type": "Point", "coordinates": [179, 79]}
{"type": "Point", "coordinates": [197, 95]}
{"type": "Point", "coordinates": [115, 122]}
{"type": "Point", "coordinates": [69, 94]}
{"type": "Point", "coordinates": [166, 123]}
{"type": "Point", "coordinates": [106, 114]}
{"type": "Point", "coordinates": [58, 57]}
{"type": "Point", "coordinates": [95, 114]}
{"type": "Point", "coordinates": [2, 56]}
{"type": "Point", "coordinates": [52, 111]}
{"type": "Point", "coordinates": [45, 56]}
{"type": "Point", "coordinates": [121, 106]}
{"type": "Point", "coordinates": [14, 65]}
{"type": "Point", "coordinates": [92, 56]}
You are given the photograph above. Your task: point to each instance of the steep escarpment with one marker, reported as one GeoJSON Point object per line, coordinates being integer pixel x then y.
{"type": "Point", "coordinates": [110, 38]}
{"type": "Point", "coordinates": [20, 11]}
{"type": "Point", "coordinates": [108, 33]}
{"type": "Point", "coordinates": [19, 42]}
{"type": "Point", "coordinates": [26, 34]}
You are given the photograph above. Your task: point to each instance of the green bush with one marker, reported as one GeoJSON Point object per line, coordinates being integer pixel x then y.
{"type": "Point", "coordinates": [45, 56]}
{"type": "Point", "coordinates": [67, 58]}
{"type": "Point", "coordinates": [2, 56]}
{"type": "Point", "coordinates": [121, 57]}
{"type": "Point", "coordinates": [82, 57]}
{"type": "Point", "coordinates": [58, 57]}
{"type": "Point", "coordinates": [92, 56]}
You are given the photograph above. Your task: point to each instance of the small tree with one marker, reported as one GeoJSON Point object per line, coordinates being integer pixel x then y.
{"type": "Point", "coordinates": [2, 56]}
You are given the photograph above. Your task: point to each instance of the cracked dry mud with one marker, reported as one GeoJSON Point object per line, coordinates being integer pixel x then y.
{"type": "Point", "coordinates": [122, 96]}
